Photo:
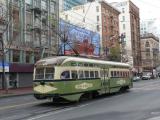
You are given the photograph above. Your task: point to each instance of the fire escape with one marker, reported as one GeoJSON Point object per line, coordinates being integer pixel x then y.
{"type": "Point", "coordinates": [38, 31]}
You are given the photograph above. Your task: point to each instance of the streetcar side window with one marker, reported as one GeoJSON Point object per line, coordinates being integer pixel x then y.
{"type": "Point", "coordinates": [121, 74]}
{"type": "Point", "coordinates": [102, 73]}
{"type": "Point", "coordinates": [106, 73]}
{"type": "Point", "coordinates": [74, 74]}
{"type": "Point", "coordinates": [124, 74]}
{"type": "Point", "coordinates": [91, 74]}
{"type": "Point", "coordinates": [96, 74]}
{"type": "Point", "coordinates": [81, 75]}
{"type": "Point", "coordinates": [118, 74]}
{"type": "Point", "coordinates": [112, 74]}
{"type": "Point", "coordinates": [65, 75]}
{"type": "Point", "coordinates": [86, 74]}
{"type": "Point", "coordinates": [39, 74]}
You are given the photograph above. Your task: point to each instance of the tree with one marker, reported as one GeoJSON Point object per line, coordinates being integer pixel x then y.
{"type": "Point", "coordinates": [115, 54]}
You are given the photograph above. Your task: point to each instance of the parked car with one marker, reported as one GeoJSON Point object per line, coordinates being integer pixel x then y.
{"type": "Point", "coordinates": [146, 77]}
{"type": "Point", "coordinates": [136, 78]}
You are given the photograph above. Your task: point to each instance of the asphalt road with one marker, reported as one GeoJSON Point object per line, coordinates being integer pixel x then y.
{"type": "Point", "coordinates": [141, 103]}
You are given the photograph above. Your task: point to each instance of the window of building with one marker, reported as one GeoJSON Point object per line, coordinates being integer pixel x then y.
{"type": "Point", "coordinates": [16, 56]}
{"type": "Point", "coordinates": [44, 4]}
{"type": "Point", "coordinates": [98, 29]}
{"type": "Point", "coordinates": [37, 3]}
{"type": "Point", "coordinates": [97, 18]}
{"type": "Point", "coordinates": [123, 10]}
{"type": "Point", "coordinates": [97, 8]}
{"type": "Point", "coordinates": [124, 26]}
{"type": "Point", "coordinates": [123, 18]}
{"type": "Point", "coordinates": [27, 58]}
{"type": "Point", "coordinates": [147, 44]}
{"type": "Point", "coordinates": [52, 6]}
{"type": "Point", "coordinates": [84, 20]}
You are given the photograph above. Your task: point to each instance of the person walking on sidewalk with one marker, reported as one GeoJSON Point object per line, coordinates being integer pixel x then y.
{"type": "Point", "coordinates": [15, 83]}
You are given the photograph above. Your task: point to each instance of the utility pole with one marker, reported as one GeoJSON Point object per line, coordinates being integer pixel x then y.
{"type": "Point", "coordinates": [3, 64]}
{"type": "Point", "coordinates": [122, 42]}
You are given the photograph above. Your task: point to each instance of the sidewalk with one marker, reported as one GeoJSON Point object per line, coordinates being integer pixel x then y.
{"type": "Point", "coordinates": [16, 92]}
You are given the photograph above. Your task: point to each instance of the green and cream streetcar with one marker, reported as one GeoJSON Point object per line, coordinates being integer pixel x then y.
{"type": "Point", "coordinates": [72, 78]}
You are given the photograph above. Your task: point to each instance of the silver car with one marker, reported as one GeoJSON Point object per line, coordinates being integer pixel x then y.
{"type": "Point", "coordinates": [146, 77]}
{"type": "Point", "coordinates": [136, 78]}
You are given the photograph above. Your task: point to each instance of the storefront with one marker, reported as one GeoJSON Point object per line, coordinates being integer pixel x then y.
{"type": "Point", "coordinates": [20, 75]}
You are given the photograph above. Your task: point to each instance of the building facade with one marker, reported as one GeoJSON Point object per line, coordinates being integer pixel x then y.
{"type": "Point", "coordinates": [31, 34]}
{"type": "Point", "coordinates": [129, 23]}
{"type": "Point", "coordinates": [100, 17]}
{"type": "Point", "coordinates": [150, 52]}
{"type": "Point", "coordinates": [68, 4]}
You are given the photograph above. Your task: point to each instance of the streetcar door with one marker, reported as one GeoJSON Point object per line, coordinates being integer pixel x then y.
{"type": "Point", "coordinates": [104, 82]}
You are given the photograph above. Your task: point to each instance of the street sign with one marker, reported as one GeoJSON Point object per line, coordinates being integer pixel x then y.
{"type": "Point", "coordinates": [6, 66]}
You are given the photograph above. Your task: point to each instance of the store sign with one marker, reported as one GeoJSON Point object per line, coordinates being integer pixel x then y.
{"type": "Point", "coordinates": [6, 67]}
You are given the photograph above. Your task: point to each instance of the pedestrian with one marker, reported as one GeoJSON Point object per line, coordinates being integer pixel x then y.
{"type": "Point", "coordinates": [15, 83]}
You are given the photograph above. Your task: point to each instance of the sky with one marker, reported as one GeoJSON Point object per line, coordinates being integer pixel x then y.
{"type": "Point", "coordinates": [149, 9]}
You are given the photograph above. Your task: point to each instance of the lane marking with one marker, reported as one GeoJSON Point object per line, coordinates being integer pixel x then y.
{"type": "Point", "coordinates": [51, 113]}
{"type": "Point", "coordinates": [154, 118]}
{"type": "Point", "coordinates": [19, 105]}
{"type": "Point", "coordinates": [68, 109]}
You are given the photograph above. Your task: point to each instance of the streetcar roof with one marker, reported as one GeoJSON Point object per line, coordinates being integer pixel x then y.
{"type": "Point", "coordinates": [61, 60]}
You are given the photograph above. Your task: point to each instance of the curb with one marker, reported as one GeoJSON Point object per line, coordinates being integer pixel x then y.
{"type": "Point", "coordinates": [14, 95]}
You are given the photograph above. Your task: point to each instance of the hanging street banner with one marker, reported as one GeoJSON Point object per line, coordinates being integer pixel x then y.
{"type": "Point", "coordinates": [6, 66]}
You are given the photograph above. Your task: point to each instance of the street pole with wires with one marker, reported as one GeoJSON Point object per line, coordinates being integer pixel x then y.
{"type": "Point", "coordinates": [3, 64]}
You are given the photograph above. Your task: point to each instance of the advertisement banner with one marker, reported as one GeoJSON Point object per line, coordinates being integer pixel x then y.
{"type": "Point", "coordinates": [84, 41]}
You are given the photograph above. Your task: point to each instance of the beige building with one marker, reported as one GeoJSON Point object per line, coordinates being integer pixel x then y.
{"type": "Point", "coordinates": [129, 24]}
{"type": "Point", "coordinates": [150, 52]}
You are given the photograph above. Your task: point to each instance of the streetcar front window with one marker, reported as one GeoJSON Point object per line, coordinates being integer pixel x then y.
{"type": "Point", "coordinates": [39, 74]}
{"type": "Point", "coordinates": [49, 74]}
{"type": "Point", "coordinates": [44, 73]}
